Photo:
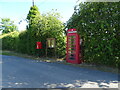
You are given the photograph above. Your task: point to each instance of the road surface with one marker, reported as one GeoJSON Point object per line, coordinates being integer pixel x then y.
{"type": "Point", "coordinates": [20, 72]}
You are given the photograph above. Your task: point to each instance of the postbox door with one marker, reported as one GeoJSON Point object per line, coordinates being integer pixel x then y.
{"type": "Point", "coordinates": [39, 45]}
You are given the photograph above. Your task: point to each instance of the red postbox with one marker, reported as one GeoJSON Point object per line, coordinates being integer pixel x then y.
{"type": "Point", "coordinates": [73, 47]}
{"type": "Point", "coordinates": [39, 45]}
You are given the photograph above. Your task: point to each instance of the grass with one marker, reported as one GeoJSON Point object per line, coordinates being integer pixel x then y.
{"type": "Point", "coordinates": [12, 53]}
{"type": "Point", "coordinates": [62, 61]}
{"type": "Point", "coordinates": [46, 59]}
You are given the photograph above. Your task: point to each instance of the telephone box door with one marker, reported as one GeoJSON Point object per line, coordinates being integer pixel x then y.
{"type": "Point", "coordinates": [73, 47]}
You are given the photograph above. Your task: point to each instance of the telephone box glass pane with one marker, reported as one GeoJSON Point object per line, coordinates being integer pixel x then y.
{"type": "Point", "coordinates": [71, 47]}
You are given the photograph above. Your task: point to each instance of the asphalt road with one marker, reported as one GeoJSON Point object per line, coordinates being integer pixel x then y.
{"type": "Point", "coordinates": [19, 72]}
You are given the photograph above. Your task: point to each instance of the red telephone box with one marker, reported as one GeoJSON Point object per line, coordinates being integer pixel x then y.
{"type": "Point", "coordinates": [39, 45]}
{"type": "Point", "coordinates": [73, 47]}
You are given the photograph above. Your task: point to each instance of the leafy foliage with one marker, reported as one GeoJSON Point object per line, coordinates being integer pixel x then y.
{"type": "Point", "coordinates": [10, 41]}
{"type": "Point", "coordinates": [98, 25]}
{"type": "Point", "coordinates": [33, 12]}
{"type": "Point", "coordinates": [40, 28]}
{"type": "Point", "coordinates": [43, 27]}
{"type": "Point", "coordinates": [7, 26]}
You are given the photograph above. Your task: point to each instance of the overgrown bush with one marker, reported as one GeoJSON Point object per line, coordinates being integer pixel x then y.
{"type": "Point", "coordinates": [98, 25]}
{"type": "Point", "coordinates": [39, 29]}
{"type": "Point", "coordinates": [43, 27]}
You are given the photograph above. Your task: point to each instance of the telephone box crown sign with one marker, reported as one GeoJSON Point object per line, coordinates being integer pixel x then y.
{"type": "Point", "coordinates": [73, 30]}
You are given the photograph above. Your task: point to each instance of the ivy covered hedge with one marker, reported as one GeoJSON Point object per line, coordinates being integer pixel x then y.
{"type": "Point", "coordinates": [98, 25]}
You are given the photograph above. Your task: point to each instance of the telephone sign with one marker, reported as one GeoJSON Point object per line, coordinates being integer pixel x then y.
{"type": "Point", "coordinates": [73, 47]}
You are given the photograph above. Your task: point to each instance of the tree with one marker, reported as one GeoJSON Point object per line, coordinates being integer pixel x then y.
{"type": "Point", "coordinates": [33, 18]}
{"type": "Point", "coordinates": [42, 27]}
{"type": "Point", "coordinates": [51, 27]}
{"type": "Point", "coordinates": [33, 14]}
{"type": "Point", "coordinates": [7, 26]}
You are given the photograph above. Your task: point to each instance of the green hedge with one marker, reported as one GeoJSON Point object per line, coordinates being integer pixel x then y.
{"type": "Point", "coordinates": [10, 41]}
{"type": "Point", "coordinates": [39, 30]}
{"type": "Point", "coordinates": [25, 43]}
{"type": "Point", "coordinates": [98, 25]}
